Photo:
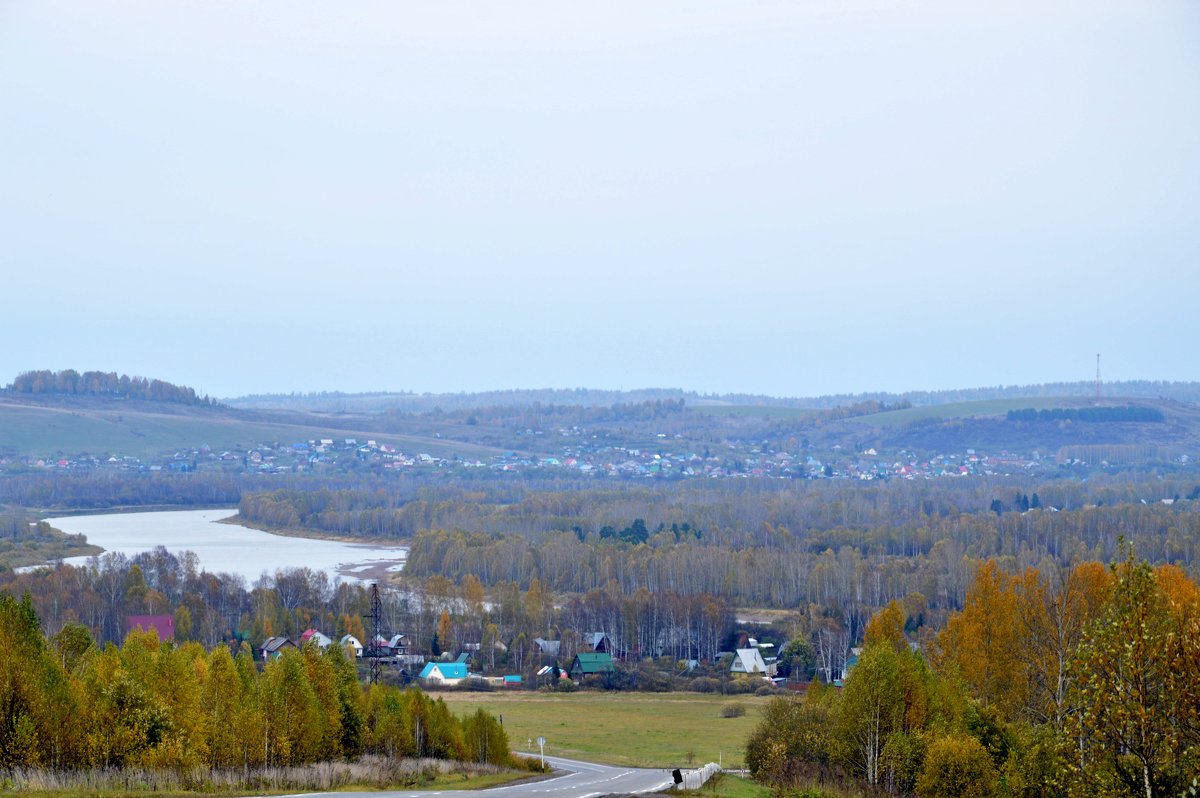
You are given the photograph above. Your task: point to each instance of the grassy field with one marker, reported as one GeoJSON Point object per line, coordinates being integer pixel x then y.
{"type": "Point", "coordinates": [991, 407]}
{"type": "Point", "coordinates": [636, 729]}
{"type": "Point", "coordinates": [46, 431]}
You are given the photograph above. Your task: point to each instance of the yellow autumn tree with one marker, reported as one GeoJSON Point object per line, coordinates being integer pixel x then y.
{"type": "Point", "coordinates": [472, 593]}
{"type": "Point", "coordinates": [1052, 618]}
{"type": "Point", "coordinates": [445, 631]}
{"type": "Point", "coordinates": [981, 644]}
{"type": "Point", "coordinates": [887, 626]}
{"type": "Point", "coordinates": [1134, 729]}
{"type": "Point", "coordinates": [220, 699]}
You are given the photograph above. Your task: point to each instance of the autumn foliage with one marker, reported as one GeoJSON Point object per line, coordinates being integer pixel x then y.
{"type": "Point", "coordinates": [66, 704]}
{"type": "Point", "coordinates": [1081, 683]}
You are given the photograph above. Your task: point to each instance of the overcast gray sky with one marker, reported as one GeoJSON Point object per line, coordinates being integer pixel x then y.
{"type": "Point", "coordinates": [791, 198]}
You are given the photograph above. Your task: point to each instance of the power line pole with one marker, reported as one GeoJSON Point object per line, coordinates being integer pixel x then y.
{"type": "Point", "coordinates": [376, 617]}
{"type": "Point", "coordinates": [1097, 378]}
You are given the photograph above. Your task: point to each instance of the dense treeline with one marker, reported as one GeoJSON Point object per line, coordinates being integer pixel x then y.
{"type": "Point", "coordinates": [99, 490]}
{"type": "Point", "coordinates": [336, 401]}
{"type": "Point", "coordinates": [68, 704]}
{"type": "Point", "coordinates": [207, 607]}
{"type": "Point", "coordinates": [1144, 389]}
{"type": "Point", "coordinates": [19, 527]}
{"type": "Point", "coordinates": [740, 507]}
{"type": "Point", "coordinates": [538, 415]}
{"type": "Point", "coordinates": [1084, 684]}
{"type": "Point", "coordinates": [1097, 415]}
{"type": "Point", "coordinates": [104, 383]}
{"type": "Point", "coordinates": [772, 565]}
{"type": "Point", "coordinates": [420, 403]}
{"type": "Point", "coordinates": [834, 552]}
{"type": "Point", "coordinates": [104, 489]}
{"type": "Point", "coordinates": [666, 415]}
{"type": "Point", "coordinates": [363, 503]}
{"type": "Point", "coordinates": [215, 608]}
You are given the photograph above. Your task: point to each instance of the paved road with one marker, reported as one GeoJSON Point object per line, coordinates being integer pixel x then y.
{"type": "Point", "coordinates": [572, 779]}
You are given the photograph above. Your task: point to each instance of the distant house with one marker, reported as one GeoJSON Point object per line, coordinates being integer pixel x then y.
{"type": "Point", "coordinates": [398, 644]}
{"type": "Point", "coordinates": [273, 647]}
{"type": "Point", "coordinates": [444, 673]}
{"type": "Point", "coordinates": [547, 672]}
{"type": "Point", "coordinates": [851, 661]}
{"type": "Point", "coordinates": [163, 624]}
{"type": "Point", "coordinates": [312, 636]}
{"type": "Point", "coordinates": [748, 660]}
{"type": "Point", "coordinates": [350, 642]}
{"type": "Point", "coordinates": [598, 642]}
{"type": "Point", "coordinates": [591, 664]}
{"type": "Point", "coordinates": [549, 648]}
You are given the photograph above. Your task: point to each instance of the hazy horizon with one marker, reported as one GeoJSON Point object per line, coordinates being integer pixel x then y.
{"type": "Point", "coordinates": [774, 198]}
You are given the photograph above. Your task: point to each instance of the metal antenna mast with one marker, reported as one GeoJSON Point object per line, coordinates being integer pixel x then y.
{"type": "Point", "coordinates": [376, 617]}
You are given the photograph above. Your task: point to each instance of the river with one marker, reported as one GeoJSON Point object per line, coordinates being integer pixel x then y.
{"type": "Point", "coordinates": [231, 548]}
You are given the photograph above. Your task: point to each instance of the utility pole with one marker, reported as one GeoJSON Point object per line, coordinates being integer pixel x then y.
{"type": "Point", "coordinates": [1097, 378]}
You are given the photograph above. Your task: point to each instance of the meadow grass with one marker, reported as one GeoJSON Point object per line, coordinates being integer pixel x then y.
{"type": "Point", "coordinates": [141, 433]}
{"type": "Point", "coordinates": [989, 407]}
{"type": "Point", "coordinates": [656, 730]}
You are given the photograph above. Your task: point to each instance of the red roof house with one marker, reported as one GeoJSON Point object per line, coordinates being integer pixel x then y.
{"type": "Point", "coordinates": [163, 624]}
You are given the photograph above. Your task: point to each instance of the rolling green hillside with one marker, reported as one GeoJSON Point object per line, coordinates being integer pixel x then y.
{"type": "Point", "coordinates": [146, 430]}
{"type": "Point", "coordinates": [985, 425]}
{"type": "Point", "coordinates": [987, 407]}
{"type": "Point", "coordinates": [100, 427]}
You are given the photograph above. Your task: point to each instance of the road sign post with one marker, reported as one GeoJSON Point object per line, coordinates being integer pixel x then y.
{"type": "Point", "coordinates": [541, 741]}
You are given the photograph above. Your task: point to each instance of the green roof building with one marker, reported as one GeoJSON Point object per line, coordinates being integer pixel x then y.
{"type": "Point", "coordinates": [591, 664]}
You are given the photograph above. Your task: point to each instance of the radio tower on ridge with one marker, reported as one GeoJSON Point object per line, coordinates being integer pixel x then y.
{"type": "Point", "coordinates": [1097, 378]}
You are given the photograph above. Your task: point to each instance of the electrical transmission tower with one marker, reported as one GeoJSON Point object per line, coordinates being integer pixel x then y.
{"type": "Point", "coordinates": [376, 618]}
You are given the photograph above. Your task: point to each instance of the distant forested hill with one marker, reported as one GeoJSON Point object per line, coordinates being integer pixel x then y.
{"type": "Point", "coordinates": [103, 383]}
{"type": "Point", "coordinates": [426, 402]}
{"type": "Point", "coordinates": [338, 402]}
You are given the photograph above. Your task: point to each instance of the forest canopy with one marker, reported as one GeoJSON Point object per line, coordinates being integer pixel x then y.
{"type": "Point", "coordinates": [104, 383]}
{"type": "Point", "coordinates": [1085, 685]}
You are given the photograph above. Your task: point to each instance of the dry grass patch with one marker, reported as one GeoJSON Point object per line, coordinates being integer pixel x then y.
{"type": "Point", "coordinates": [366, 773]}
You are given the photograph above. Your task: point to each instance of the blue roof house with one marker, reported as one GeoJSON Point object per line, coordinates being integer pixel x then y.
{"type": "Point", "coordinates": [444, 673]}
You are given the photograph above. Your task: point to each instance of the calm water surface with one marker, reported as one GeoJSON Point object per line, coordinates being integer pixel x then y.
{"type": "Point", "coordinates": [228, 547]}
